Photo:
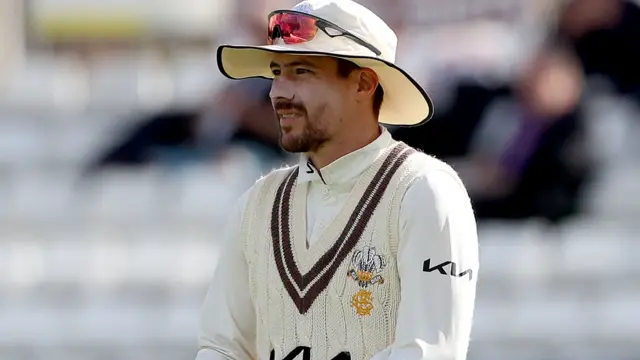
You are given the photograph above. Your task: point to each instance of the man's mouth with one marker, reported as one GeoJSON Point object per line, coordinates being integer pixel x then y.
{"type": "Point", "coordinates": [287, 118]}
{"type": "Point", "coordinates": [288, 115]}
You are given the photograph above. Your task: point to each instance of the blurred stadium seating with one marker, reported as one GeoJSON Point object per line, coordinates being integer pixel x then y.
{"type": "Point", "coordinates": [117, 267]}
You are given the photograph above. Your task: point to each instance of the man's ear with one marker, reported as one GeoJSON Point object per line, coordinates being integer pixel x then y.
{"type": "Point", "coordinates": [367, 82]}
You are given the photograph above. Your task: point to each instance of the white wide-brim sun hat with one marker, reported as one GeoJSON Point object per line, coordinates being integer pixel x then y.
{"type": "Point", "coordinates": [405, 102]}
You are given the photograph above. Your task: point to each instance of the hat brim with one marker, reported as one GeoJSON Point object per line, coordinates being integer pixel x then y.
{"type": "Point", "coordinates": [405, 102]}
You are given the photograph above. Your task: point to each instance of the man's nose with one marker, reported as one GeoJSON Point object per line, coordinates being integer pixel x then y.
{"type": "Point", "coordinates": [281, 88]}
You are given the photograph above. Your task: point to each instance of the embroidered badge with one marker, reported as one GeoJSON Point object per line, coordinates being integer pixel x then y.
{"type": "Point", "coordinates": [366, 266]}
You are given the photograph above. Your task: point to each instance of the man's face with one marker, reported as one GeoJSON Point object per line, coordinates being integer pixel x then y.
{"type": "Point", "coordinates": [309, 99]}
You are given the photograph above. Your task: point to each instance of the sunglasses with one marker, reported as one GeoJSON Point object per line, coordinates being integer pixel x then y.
{"type": "Point", "coordinates": [295, 27]}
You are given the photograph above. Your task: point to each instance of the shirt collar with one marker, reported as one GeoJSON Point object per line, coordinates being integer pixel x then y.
{"type": "Point", "coordinates": [348, 166]}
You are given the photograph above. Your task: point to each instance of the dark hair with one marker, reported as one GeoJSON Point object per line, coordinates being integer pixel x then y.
{"type": "Point", "coordinates": [345, 67]}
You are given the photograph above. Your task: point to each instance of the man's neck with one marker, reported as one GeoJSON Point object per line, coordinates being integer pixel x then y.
{"type": "Point", "coordinates": [339, 147]}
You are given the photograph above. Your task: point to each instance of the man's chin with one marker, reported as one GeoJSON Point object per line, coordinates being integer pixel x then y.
{"type": "Point", "coordinates": [295, 149]}
{"type": "Point", "coordinates": [293, 145]}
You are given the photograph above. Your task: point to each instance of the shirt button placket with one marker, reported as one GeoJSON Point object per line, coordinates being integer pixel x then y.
{"type": "Point", "coordinates": [325, 193]}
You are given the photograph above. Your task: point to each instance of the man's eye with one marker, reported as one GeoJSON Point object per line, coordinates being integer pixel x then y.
{"type": "Point", "coordinates": [275, 72]}
{"type": "Point", "coordinates": [303, 71]}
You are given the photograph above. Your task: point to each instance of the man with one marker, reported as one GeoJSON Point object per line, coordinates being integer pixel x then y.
{"type": "Point", "coordinates": [501, 137]}
{"type": "Point", "coordinates": [365, 250]}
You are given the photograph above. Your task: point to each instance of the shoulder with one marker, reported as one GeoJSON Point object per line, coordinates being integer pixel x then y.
{"type": "Point", "coordinates": [275, 176]}
{"type": "Point", "coordinates": [424, 168]}
{"type": "Point", "coordinates": [268, 182]}
{"type": "Point", "coordinates": [264, 185]}
{"type": "Point", "coordinates": [434, 184]}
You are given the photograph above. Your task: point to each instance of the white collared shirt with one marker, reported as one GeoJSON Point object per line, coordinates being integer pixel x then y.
{"type": "Point", "coordinates": [436, 223]}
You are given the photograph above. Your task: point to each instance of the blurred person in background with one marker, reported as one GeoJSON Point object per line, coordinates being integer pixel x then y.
{"type": "Point", "coordinates": [310, 268]}
{"type": "Point", "coordinates": [605, 35]}
{"type": "Point", "coordinates": [239, 115]}
{"type": "Point", "coordinates": [519, 147]}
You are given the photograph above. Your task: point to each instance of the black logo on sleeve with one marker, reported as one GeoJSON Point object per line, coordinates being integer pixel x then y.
{"type": "Point", "coordinates": [453, 269]}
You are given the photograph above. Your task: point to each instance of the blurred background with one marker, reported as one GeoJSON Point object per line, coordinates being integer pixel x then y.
{"type": "Point", "coordinates": [122, 149]}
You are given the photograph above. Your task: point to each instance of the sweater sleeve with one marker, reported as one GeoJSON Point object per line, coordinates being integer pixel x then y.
{"type": "Point", "coordinates": [227, 320]}
{"type": "Point", "coordinates": [438, 265]}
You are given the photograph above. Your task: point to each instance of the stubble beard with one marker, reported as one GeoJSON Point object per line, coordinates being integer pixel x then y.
{"type": "Point", "coordinates": [311, 138]}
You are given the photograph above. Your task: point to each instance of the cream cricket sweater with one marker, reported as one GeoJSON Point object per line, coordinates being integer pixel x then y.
{"type": "Point", "coordinates": [342, 293]}
{"type": "Point", "coordinates": [356, 258]}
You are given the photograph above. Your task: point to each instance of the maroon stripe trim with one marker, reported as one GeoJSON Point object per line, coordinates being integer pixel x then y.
{"type": "Point", "coordinates": [275, 236]}
{"type": "Point", "coordinates": [305, 293]}
{"type": "Point", "coordinates": [360, 209]}
{"type": "Point", "coordinates": [322, 283]}
{"type": "Point", "coordinates": [285, 233]}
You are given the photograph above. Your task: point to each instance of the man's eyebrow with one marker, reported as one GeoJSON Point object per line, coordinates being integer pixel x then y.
{"type": "Point", "coordinates": [293, 64]}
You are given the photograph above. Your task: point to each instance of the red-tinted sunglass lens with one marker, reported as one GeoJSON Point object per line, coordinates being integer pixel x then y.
{"type": "Point", "coordinates": [273, 22]}
{"type": "Point", "coordinates": [293, 28]}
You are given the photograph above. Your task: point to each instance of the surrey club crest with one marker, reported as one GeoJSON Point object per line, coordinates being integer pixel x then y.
{"type": "Point", "coordinates": [366, 267]}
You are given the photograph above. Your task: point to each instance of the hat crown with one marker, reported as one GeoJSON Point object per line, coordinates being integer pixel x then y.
{"type": "Point", "coordinates": [356, 19]}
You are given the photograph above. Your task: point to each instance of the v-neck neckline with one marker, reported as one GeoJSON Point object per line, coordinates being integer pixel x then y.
{"type": "Point", "coordinates": [306, 271]}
